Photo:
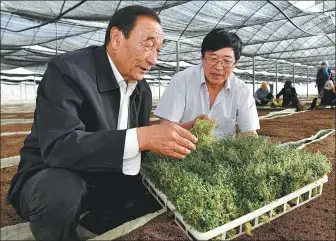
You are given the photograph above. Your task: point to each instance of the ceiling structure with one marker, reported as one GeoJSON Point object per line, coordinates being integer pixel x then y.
{"type": "Point", "coordinates": [287, 31]}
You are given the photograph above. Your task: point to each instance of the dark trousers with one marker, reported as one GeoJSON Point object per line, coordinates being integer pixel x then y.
{"type": "Point", "coordinates": [319, 88]}
{"type": "Point", "coordinates": [295, 103]}
{"type": "Point", "coordinates": [53, 199]}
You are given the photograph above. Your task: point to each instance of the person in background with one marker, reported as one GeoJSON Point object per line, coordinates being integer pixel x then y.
{"type": "Point", "coordinates": [289, 96]}
{"type": "Point", "coordinates": [328, 96]}
{"type": "Point", "coordinates": [211, 89]}
{"type": "Point", "coordinates": [91, 126]}
{"type": "Point", "coordinates": [323, 75]}
{"type": "Point", "coordinates": [263, 96]}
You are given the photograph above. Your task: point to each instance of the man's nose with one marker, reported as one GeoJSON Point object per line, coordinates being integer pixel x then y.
{"type": "Point", "coordinates": [219, 65]}
{"type": "Point", "coordinates": [152, 58]}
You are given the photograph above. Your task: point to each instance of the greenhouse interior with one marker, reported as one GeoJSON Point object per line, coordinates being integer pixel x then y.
{"type": "Point", "coordinates": [272, 178]}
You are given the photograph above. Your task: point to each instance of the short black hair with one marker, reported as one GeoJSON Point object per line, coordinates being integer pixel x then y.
{"type": "Point", "coordinates": [125, 18]}
{"type": "Point", "coordinates": [218, 38]}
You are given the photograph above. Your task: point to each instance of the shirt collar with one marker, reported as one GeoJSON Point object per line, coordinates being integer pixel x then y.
{"type": "Point", "coordinates": [117, 74]}
{"type": "Point", "coordinates": [227, 84]}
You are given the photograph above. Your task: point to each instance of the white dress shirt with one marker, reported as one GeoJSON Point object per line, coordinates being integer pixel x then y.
{"type": "Point", "coordinates": [132, 155]}
{"type": "Point", "coordinates": [187, 97]}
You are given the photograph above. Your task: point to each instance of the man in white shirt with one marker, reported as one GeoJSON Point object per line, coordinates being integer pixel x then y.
{"type": "Point", "coordinates": [211, 89]}
{"type": "Point", "coordinates": [90, 126]}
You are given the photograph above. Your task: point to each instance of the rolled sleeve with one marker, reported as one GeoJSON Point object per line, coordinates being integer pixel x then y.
{"type": "Point", "coordinates": [172, 103]}
{"type": "Point", "coordinates": [247, 115]}
{"type": "Point", "coordinates": [132, 156]}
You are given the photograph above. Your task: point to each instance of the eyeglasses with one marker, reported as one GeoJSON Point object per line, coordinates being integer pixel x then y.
{"type": "Point", "coordinates": [214, 61]}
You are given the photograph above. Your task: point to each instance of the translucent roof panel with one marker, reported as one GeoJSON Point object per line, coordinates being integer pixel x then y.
{"type": "Point", "coordinates": [293, 31]}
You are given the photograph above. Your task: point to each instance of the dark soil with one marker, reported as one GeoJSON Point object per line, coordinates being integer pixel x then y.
{"type": "Point", "coordinates": [16, 127]}
{"type": "Point", "coordinates": [298, 126]}
{"type": "Point", "coordinates": [313, 221]}
{"type": "Point", "coordinates": [8, 215]}
{"type": "Point", "coordinates": [17, 116]}
{"type": "Point", "coordinates": [11, 145]}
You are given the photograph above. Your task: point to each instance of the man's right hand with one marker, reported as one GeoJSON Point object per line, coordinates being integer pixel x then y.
{"type": "Point", "coordinates": [168, 139]}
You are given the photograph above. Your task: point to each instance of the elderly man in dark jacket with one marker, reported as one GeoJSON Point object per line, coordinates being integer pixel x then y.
{"type": "Point", "coordinates": [90, 127]}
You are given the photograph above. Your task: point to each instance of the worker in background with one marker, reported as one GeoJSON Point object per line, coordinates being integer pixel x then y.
{"type": "Point", "coordinates": [327, 96]}
{"type": "Point", "coordinates": [323, 75]}
{"type": "Point", "coordinates": [289, 96]}
{"type": "Point", "coordinates": [263, 96]}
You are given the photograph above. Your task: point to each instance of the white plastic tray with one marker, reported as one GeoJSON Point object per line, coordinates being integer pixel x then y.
{"type": "Point", "coordinates": [304, 194]}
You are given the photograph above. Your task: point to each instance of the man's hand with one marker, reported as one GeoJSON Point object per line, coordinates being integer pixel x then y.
{"type": "Point", "coordinates": [168, 139]}
{"type": "Point", "coordinates": [258, 101]}
{"type": "Point", "coordinates": [203, 117]}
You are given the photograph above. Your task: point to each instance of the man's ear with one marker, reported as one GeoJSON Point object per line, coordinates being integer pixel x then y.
{"type": "Point", "coordinates": [235, 64]}
{"type": "Point", "coordinates": [115, 37]}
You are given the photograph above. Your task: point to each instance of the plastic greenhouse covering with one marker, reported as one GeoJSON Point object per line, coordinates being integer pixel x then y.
{"type": "Point", "coordinates": [282, 32]}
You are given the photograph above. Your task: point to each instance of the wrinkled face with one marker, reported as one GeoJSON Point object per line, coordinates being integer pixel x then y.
{"type": "Point", "coordinates": [138, 53]}
{"type": "Point", "coordinates": [218, 65]}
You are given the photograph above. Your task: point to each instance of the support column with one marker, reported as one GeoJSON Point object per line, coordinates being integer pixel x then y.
{"type": "Point", "coordinates": [159, 84]}
{"type": "Point", "coordinates": [307, 80]}
{"type": "Point", "coordinates": [253, 74]}
{"type": "Point", "coordinates": [276, 76]}
{"type": "Point", "coordinates": [177, 56]}
{"type": "Point", "coordinates": [293, 75]}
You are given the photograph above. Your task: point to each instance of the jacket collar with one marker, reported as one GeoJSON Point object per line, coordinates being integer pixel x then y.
{"type": "Point", "coordinates": [106, 80]}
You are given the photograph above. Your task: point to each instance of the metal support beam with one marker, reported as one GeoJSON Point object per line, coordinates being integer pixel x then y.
{"type": "Point", "coordinates": [276, 76]}
{"type": "Point", "coordinates": [293, 75]}
{"type": "Point", "coordinates": [177, 56]}
{"type": "Point", "coordinates": [253, 74]}
{"type": "Point", "coordinates": [159, 84]}
{"type": "Point", "coordinates": [307, 80]}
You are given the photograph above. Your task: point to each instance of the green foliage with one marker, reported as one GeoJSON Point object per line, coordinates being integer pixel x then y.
{"type": "Point", "coordinates": [224, 179]}
{"type": "Point", "coordinates": [202, 130]}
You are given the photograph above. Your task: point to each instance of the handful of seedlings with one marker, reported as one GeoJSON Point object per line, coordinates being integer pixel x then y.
{"type": "Point", "coordinates": [202, 130]}
{"type": "Point", "coordinates": [224, 179]}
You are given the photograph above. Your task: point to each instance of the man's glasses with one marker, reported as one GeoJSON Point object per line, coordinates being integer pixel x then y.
{"type": "Point", "coordinates": [214, 61]}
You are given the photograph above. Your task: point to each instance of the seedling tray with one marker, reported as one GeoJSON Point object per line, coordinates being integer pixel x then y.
{"type": "Point", "coordinates": [256, 218]}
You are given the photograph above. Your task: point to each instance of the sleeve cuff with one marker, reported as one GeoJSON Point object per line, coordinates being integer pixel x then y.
{"type": "Point", "coordinates": [131, 148]}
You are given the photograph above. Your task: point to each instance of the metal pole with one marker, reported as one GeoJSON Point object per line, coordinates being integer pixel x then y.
{"type": "Point", "coordinates": [177, 56]}
{"type": "Point", "coordinates": [293, 75]}
{"type": "Point", "coordinates": [253, 73]}
{"type": "Point", "coordinates": [20, 90]}
{"type": "Point", "coordinates": [56, 37]}
{"type": "Point", "coordinates": [159, 85]}
{"type": "Point", "coordinates": [307, 80]}
{"type": "Point", "coordinates": [25, 85]}
{"type": "Point", "coordinates": [276, 76]}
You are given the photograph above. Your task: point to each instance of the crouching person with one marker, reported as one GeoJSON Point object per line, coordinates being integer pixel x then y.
{"type": "Point", "coordinates": [91, 125]}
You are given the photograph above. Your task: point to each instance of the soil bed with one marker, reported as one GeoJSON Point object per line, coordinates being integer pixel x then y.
{"type": "Point", "coordinates": [11, 145]}
{"type": "Point", "coordinates": [8, 215]}
{"type": "Point", "coordinates": [17, 116]}
{"type": "Point", "coordinates": [313, 221]}
{"type": "Point", "coordinates": [298, 126]}
{"type": "Point", "coordinates": [16, 127]}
